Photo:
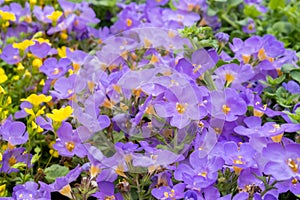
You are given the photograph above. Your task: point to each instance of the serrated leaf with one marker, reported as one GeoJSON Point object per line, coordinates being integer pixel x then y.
{"type": "Point", "coordinates": [55, 171]}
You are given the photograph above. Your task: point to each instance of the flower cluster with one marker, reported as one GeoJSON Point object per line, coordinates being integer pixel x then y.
{"type": "Point", "coordinates": [154, 106]}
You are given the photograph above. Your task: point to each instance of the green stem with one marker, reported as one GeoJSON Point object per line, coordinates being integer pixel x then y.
{"type": "Point", "coordinates": [229, 21]}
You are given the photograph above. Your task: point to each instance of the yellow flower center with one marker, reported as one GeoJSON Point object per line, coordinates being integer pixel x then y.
{"type": "Point", "coordinates": [226, 109]}
{"type": "Point", "coordinates": [112, 197]}
{"type": "Point", "coordinates": [180, 108]}
{"type": "Point", "coordinates": [12, 160]}
{"type": "Point", "coordinates": [293, 165]}
{"type": "Point", "coordinates": [229, 78]}
{"type": "Point", "coordinates": [129, 22]}
{"type": "Point", "coordinates": [70, 146]}
{"type": "Point", "coordinates": [246, 58]}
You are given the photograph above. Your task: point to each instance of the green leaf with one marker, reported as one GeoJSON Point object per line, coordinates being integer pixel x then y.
{"type": "Point", "coordinates": [55, 171]}
{"type": "Point", "coordinates": [283, 27]}
{"type": "Point", "coordinates": [295, 74]}
{"type": "Point", "coordinates": [286, 68]}
{"type": "Point", "coordinates": [19, 165]}
{"type": "Point", "coordinates": [35, 158]}
{"type": "Point", "coordinates": [251, 11]}
{"type": "Point", "coordinates": [274, 4]}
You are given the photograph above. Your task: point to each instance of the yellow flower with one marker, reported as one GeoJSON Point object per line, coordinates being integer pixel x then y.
{"type": "Point", "coordinates": [62, 52]}
{"type": "Point", "coordinates": [2, 91]}
{"type": "Point", "coordinates": [37, 99]}
{"type": "Point", "coordinates": [3, 76]}
{"type": "Point", "coordinates": [61, 114]}
{"type": "Point", "coordinates": [55, 16]}
{"type": "Point", "coordinates": [38, 113]}
{"type": "Point", "coordinates": [3, 190]}
{"type": "Point", "coordinates": [7, 16]}
{"type": "Point", "coordinates": [42, 40]}
{"type": "Point", "coordinates": [23, 45]}
{"type": "Point", "coordinates": [37, 62]}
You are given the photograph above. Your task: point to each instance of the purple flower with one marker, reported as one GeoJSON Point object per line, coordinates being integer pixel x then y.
{"type": "Point", "coordinates": [282, 162]}
{"type": "Point", "coordinates": [249, 27]}
{"type": "Point", "coordinates": [40, 50]}
{"type": "Point", "coordinates": [240, 157]}
{"type": "Point", "coordinates": [168, 193]}
{"type": "Point", "coordinates": [269, 129]}
{"type": "Point", "coordinates": [12, 157]}
{"type": "Point", "coordinates": [223, 38]}
{"type": "Point", "coordinates": [68, 142]}
{"type": "Point", "coordinates": [61, 184]}
{"type": "Point", "coordinates": [107, 191]}
{"type": "Point", "coordinates": [201, 173]}
{"type": "Point", "coordinates": [55, 69]}
{"type": "Point", "coordinates": [29, 190]}
{"type": "Point", "coordinates": [234, 75]}
{"type": "Point", "coordinates": [64, 87]}
{"type": "Point", "coordinates": [201, 61]}
{"type": "Point", "coordinates": [14, 132]}
{"type": "Point", "coordinates": [181, 105]}
{"type": "Point", "coordinates": [10, 55]}
{"type": "Point", "coordinates": [227, 105]}
{"type": "Point", "coordinates": [292, 87]}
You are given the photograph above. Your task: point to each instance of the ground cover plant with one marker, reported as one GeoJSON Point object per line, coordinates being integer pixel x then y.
{"type": "Point", "coordinates": [153, 99]}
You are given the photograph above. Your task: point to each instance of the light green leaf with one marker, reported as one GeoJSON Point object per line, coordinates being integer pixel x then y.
{"type": "Point", "coordinates": [55, 171]}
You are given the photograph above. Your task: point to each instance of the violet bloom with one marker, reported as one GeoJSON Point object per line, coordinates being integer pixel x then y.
{"type": "Point", "coordinates": [61, 184]}
{"type": "Point", "coordinates": [45, 124]}
{"type": "Point", "coordinates": [269, 129]}
{"type": "Point", "coordinates": [107, 191]}
{"type": "Point", "coordinates": [12, 157]}
{"type": "Point", "coordinates": [222, 38]}
{"type": "Point", "coordinates": [292, 184]}
{"type": "Point", "coordinates": [201, 61]}
{"type": "Point", "coordinates": [40, 50]}
{"type": "Point", "coordinates": [227, 105]}
{"type": "Point", "coordinates": [292, 87]}
{"type": "Point", "coordinates": [55, 69]}
{"type": "Point", "coordinates": [234, 75]}
{"type": "Point", "coordinates": [10, 55]}
{"type": "Point", "coordinates": [14, 132]}
{"type": "Point", "coordinates": [168, 193]}
{"type": "Point", "coordinates": [30, 191]}
{"type": "Point", "coordinates": [64, 87]}
{"type": "Point", "coordinates": [22, 113]}
{"type": "Point", "coordinates": [249, 27]}
{"type": "Point", "coordinates": [162, 179]}
{"type": "Point", "coordinates": [41, 14]}
{"type": "Point", "coordinates": [179, 18]}
{"type": "Point", "coordinates": [201, 173]}
{"type": "Point", "coordinates": [68, 142]}
{"type": "Point", "coordinates": [240, 157]}
{"type": "Point", "coordinates": [282, 162]}
{"type": "Point", "coordinates": [182, 106]}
